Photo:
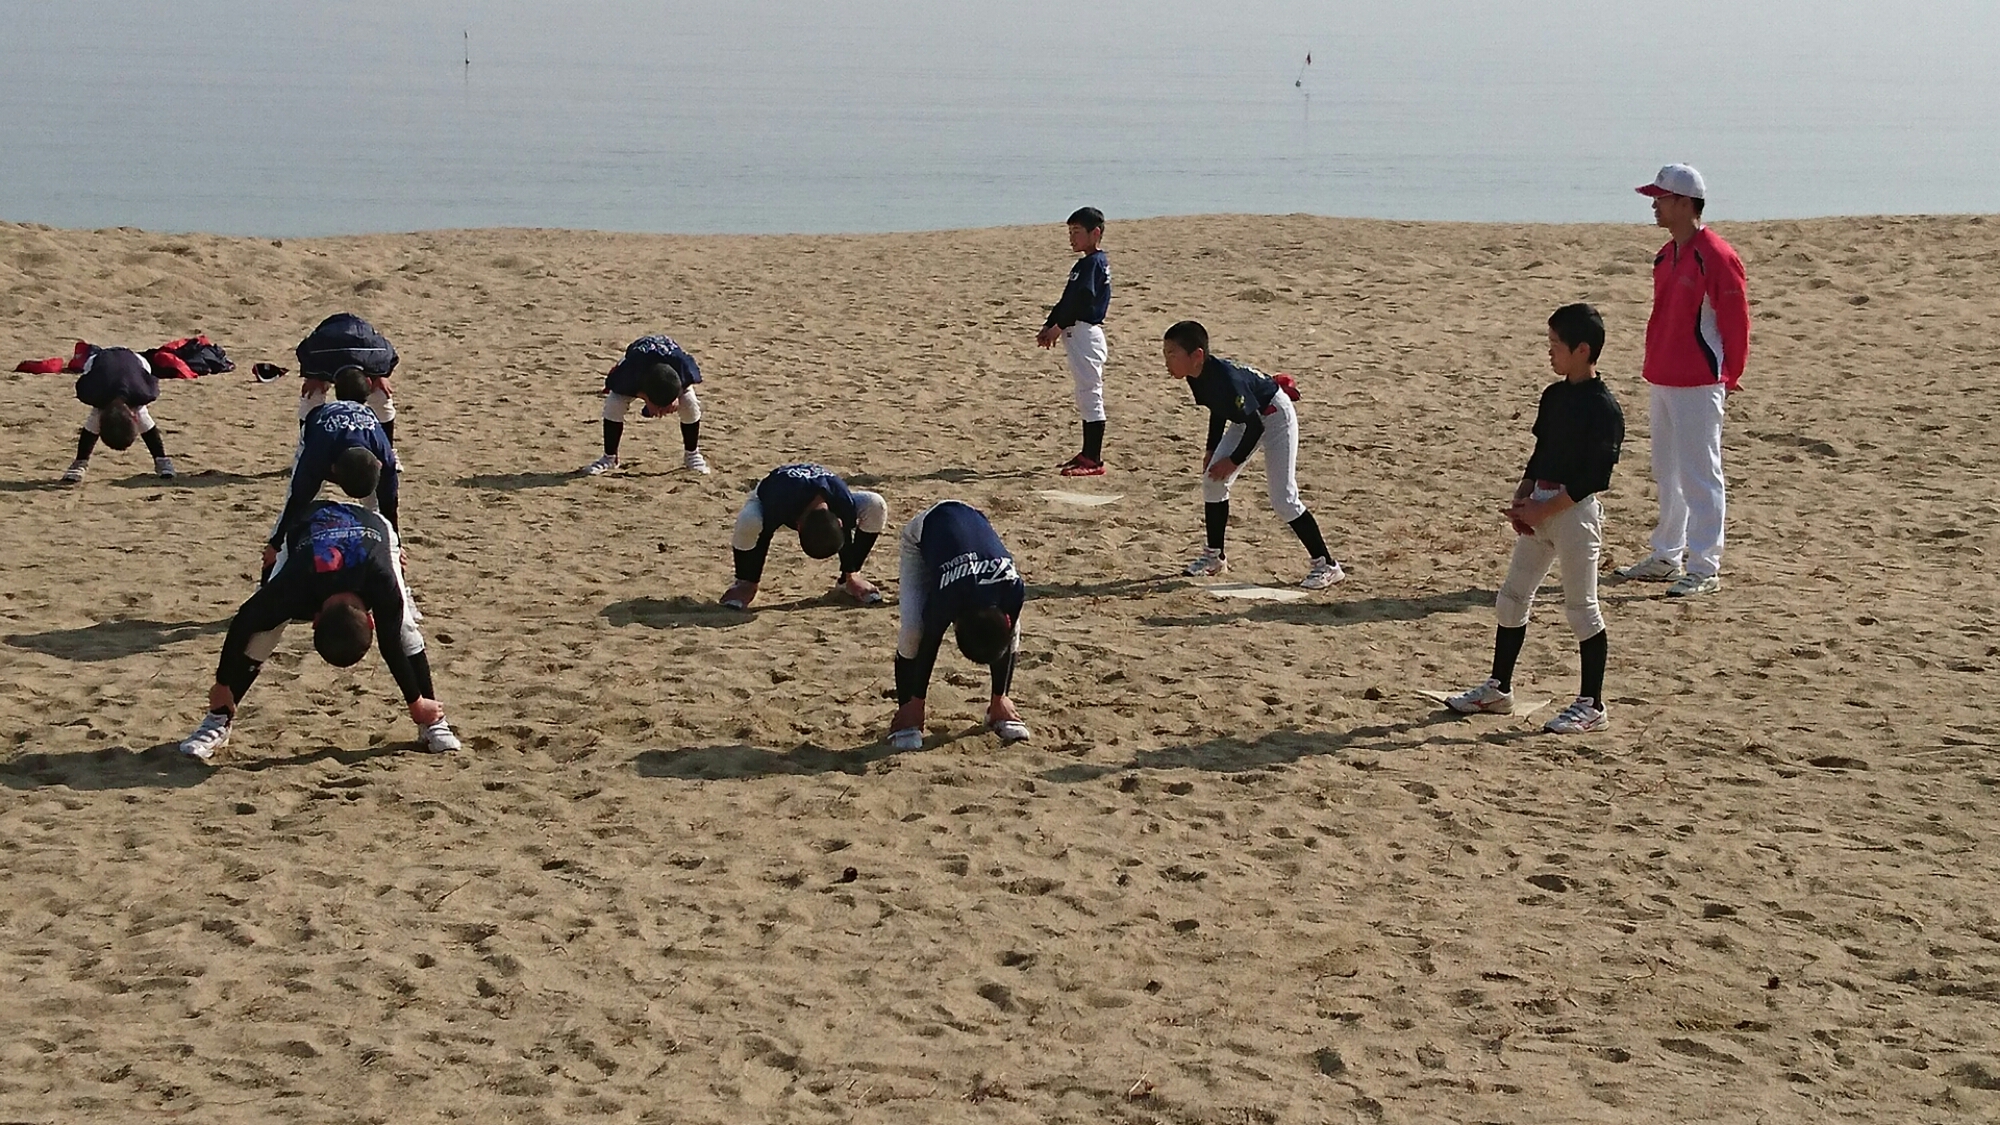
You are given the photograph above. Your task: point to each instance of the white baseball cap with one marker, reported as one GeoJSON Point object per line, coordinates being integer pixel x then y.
{"type": "Point", "coordinates": [1676, 179]}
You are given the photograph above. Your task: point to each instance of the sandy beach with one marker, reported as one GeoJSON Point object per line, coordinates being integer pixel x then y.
{"type": "Point", "coordinates": [1242, 873]}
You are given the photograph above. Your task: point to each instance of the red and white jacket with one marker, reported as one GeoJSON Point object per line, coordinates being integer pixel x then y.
{"type": "Point", "coordinates": [1699, 333]}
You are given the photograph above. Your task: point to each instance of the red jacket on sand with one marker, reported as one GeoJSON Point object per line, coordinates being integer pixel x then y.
{"type": "Point", "coordinates": [1699, 333]}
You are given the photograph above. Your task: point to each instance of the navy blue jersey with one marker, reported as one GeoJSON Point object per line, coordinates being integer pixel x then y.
{"type": "Point", "coordinates": [1233, 391]}
{"type": "Point", "coordinates": [966, 567]}
{"type": "Point", "coordinates": [643, 353]}
{"type": "Point", "coordinates": [345, 340]}
{"type": "Point", "coordinates": [784, 493]}
{"type": "Point", "coordinates": [332, 549]}
{"type": "Point", "coordinates": [329, 430]}
{"type": "Point", "coordinates": [115, 373]}
{"type": "Point", "coordinates": [1087, 295]}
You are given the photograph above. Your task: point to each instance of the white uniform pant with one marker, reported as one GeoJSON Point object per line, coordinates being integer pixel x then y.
{"type": "Point", "coordinates": [262, 645]}
{"type": "Point", "coordinates": [913, 590]}
{"type": "Point", "coordinates": [1687, 468]}
{"type": "Point", "coordinates": [1280, 447]}
{"type": "Point", "coordinates": [95, 421]}
{"type": "Point", "coordinates": [871, 514]}
{"type": "Point", "coordinates": [1575, 538]}
{"type": "Point", "coordinates": [1084, 345]}
{"type": "Point", "coordinates": [689, 407]}
{"type": "Point", "coordinates": [378, 400]}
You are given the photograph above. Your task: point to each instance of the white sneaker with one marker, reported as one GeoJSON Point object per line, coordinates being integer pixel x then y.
{"type": "Point", "coordinates": [163, 467]}
{"type": "Point", "coordinates": [210, 736]}
{"type": "Point", "coordinates": [909, 738]}
{"type": "Point", "coordinates": [1209, 562]}
{"type": "Point", "coordinates": [437, 738]}
{"type": "Point", "coordinates": [75, 472]}
{"type": "Point", "coordinates": [1580, 717]}
{"type": "Point", "coordinates": [1486, 699]}
{"type": "Point", "coordinates": [1651, 570]}
{"type": "Point", "coordinates": [1325, 572]}
{"type": "Point", "coordinates": [602, 465]}
{"type": "Point", "coordinates": [695, 462]}
{"type": "Point", "coordinates": [1692, 584]}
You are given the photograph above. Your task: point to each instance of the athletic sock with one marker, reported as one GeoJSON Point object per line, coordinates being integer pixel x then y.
{"type": "Point", "coordinates": [154, 445]}
{"type": "Point", "coordinates": [389, 431]}
{"type": "Point", "coordinates": [613, 431]}
{"type": "Point", "coordinates": [1216, 516]}
{"type": "Point", "coordinates": [1093, 441]}
{"type": "Point", "coordinates": [856, 551]}
{"type": "Point", "coordinates": [1594, 652]}
{"type": "Point", "coordinates": [1307, 529]}
{"type": "Point", "coordinates": [1506, 650]}
{"type": "Point", "coordinates": [690, 436]}
{"type": "Point", "coordinates": [85, 442]}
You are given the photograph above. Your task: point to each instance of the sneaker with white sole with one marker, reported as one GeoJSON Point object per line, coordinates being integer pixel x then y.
{"type": "Point", "coordinates": [210, 736]}
{"type": "Point", "coordinates": [1486, 699]}
{"type": "Point", "coordinates": [695, 462]}
{"type": "Point", "coordinates": [601, 466]}
{"type": "Point", "coordinates": [1580, 717]}
{"type": "Point", "coordinates": [1209, 562]}
{"type": "Point", "coordinates": [437, 737]}
{"type": "Point", "coordinates": [1325, 572]}
{"type": "Point", "coordinates": [163, 467]}
{"type": "Point", "coordinates": [1652, 570]}
{"type": "Point", "coordinates": [76, 469]}
{"type": "Point", "coordinates": [1693, 584]}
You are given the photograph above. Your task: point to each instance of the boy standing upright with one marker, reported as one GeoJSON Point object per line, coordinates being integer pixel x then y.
{"type": "Point", "coordinates": [1579, 431]}
{"type": "Point", "coordinates": [1245, 406]}
{"type": "Point", "coordinates": [1697, 343]}
{"type": "Point", "coordinates": [1078, 321]}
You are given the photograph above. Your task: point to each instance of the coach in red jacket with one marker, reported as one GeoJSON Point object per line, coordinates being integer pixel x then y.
{"type": "Point", "coordinates": [1697, 341]}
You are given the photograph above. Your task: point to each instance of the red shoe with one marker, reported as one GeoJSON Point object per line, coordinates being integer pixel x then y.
{"type": "Point", "coordinates": [1081, 466]}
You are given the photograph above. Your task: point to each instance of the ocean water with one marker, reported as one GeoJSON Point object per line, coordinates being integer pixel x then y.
{"type": "Point", "coordinates": [837, 116]}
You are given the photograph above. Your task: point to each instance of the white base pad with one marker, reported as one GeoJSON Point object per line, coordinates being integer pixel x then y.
{"type": "Point", "coordinates": [1256, 593]}
{"type": "Point", "coordinates": [1080, 499]}
{"type": "Point", "coordinates": [1522, 707]}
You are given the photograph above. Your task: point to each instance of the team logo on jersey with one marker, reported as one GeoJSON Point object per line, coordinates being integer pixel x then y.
{"type": "Point", "coordinates": [339, 541]}
{"type": "Point", "coordinates": [805, 470]}
{"type": "Point", "coordinates": [983, 571]}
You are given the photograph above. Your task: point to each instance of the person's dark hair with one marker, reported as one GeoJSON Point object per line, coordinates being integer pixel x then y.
{"type": "Point", "coordinates": [1699, 203]}
{"type": "Point", "coordinates": [983, 634]}
{"type": "Point", "coordinates": [118, 425]}
{"type": "Point", "coordinates": [342, 634]}
{"type": "Point", "coordinates": [1089, 218]}
{"type": "Point", "coordinates": [1189, 336]}
{"type": "Point", "coordinates": [660, 383]}
{"type": "Point", "coordinates": [350, 384]}
{"type": "Point", "coordinates": [819, 533]}
{"type": "Point", "coordinates": [1579, 324]}
{"type": "Point", "coordinates": [356, 471]}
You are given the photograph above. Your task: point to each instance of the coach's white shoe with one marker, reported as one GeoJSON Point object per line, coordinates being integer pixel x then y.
{"type": "Point", "coordinates": [1580, 717]}
{"type": "Point", "coordinates": [76, 469]}
{"type": "Point", "coordinates": [1651, 570]}
{"type": "Point", "coordinates": [1209, 562]}
{"type": "Point", "coordinates": [1325, 572]}
{"type": "Point", "coordinates": [210, 736]}
{"type": "Point", "coordinates": [1486, 699]}
{"type": "Point", "coordinates": [437, 737]}
{"type": "Point", "coordinates": [163, 467]}
{"type": "Point", "coordinates": [695, 462]}
{"type": "Point", "coordinates": [1693, 584]}
{"type": "Point", "coordinates": [602, 465]}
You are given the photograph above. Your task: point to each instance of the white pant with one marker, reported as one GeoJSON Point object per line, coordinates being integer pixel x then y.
{"type": "Point", "coordinates": [1280, 446]}
{"type": "Point", "coordinates": [262, 645]}
{"type": "Point", "coordinates": [871, 514]}
{"type": "Point", "coordinates": [1687, 468]}
{"type": "Point", "coordinates": [689, 407]}
{"type": "Point", "coordinates": [95, 421]}
{"type": "Point", "coordinates": [1084, 345]}
{"type": "Point", "coordinates": [378, 401]}
{"type": "Point", "coordinates": [1575, 538]}
{"type": "Point", "coordinates": [912, 589]}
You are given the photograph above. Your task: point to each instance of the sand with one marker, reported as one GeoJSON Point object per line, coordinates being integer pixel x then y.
{"type": "Point", "coordinates": [1243, 873]}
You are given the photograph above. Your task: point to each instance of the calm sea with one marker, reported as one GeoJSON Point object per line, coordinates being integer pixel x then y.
{"type": "Point", "coordinates": [272, 118]}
